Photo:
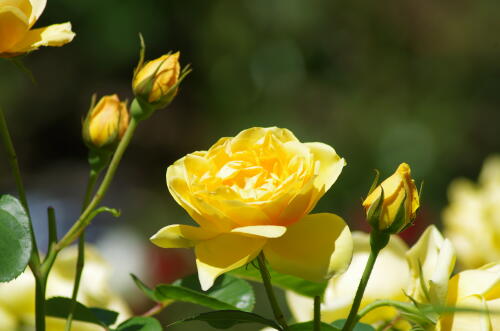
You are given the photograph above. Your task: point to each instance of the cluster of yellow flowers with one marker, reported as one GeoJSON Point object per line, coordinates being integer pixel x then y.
{"type": "Point", "coordinates": [472, 219]}
{"type": "Point", "coordinates": [17, 298]}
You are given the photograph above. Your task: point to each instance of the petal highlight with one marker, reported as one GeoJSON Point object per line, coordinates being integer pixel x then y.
{"type": "Point", "coordinates": [314, 248]}
{"type": "Point", "coordinates": [180, 236]}
{"type": "Point", "coordinates": [266, 231]}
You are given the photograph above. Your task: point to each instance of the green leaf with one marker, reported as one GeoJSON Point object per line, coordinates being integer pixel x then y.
{"type": "Point", "coordinates": [286, 282]}
{"type": "Point", "coordinates": [228, 293]}
{"type": "Point", "coordinates": [309, 326]}
{"type": "Point", "coordinates": [140, 324]}
{"type": "Point", "coordinates": [60, 307]}
{"type": "Point", "coordinates": [358, 327]}
{"type": "Point", "coordinates": [224, 319]}
{"type": "Point", "coordinates": [15, 238]}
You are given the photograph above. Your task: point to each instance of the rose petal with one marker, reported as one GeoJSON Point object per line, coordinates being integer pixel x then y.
{"type": "Point", "coordinates": [315, 248]}
{"type": "Point", "coordinates": [224, 253]}
{"type": "Point", "coordinates": [53, 35]}
{"type": "Point", "coordinates": [180, 236]}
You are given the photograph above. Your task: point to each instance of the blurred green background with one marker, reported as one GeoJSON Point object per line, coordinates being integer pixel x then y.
{"type": "Point", "coordinates": [382, 82]}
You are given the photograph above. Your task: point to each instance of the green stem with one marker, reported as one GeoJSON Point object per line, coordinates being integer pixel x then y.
{"type": "Point", "coordinates": [85, 217]}
{"type": "Point", "coordinates": [378, 240]}
{"type": "Point", "coordinates": [80, 261]}
{"type": "Point", "coordinates": [34, 262]}
{"type": "Point", "coordinates": [266, 280]}
{"type": "Point", "coordinates": [40, 286]}
{"type": "Point", "coordinates": [14, 166]}
{"type": "Point", "coordinates": [317, 313]}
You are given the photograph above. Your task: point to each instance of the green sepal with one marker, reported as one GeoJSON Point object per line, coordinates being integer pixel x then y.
{"type": "Point", "coordinates": [375, 181]}
{"type": "Point", "coordinates": [374, 213]}
{"type": "Point", "coordinates": [99, 159]}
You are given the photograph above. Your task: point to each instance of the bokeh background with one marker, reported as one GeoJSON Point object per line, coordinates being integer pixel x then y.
{"type": "Point", "coordinates": [382, 82]}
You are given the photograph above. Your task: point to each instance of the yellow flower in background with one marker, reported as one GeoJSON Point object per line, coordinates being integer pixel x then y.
{"type": "Point", "coordinates": [155, 79]}
{"type": "Point", "coordinates": [472, 218]}
{"type": "Point", "coordinates": [476, 288]}
{"type": "Point", "coordinates": [431, 262]}
{"type": "Point", "coordinates": [106, 122]}
{"type": "Point", "coordinates": [254, 192]}
{"type": "Point", "coordinates": [17, 18]}
{"type": "Point", "coordinates": [399, 193]}
{"type": "Point", "coordinates": [389, 279]}
{"type": "Point", "coordinates": [17, 298]}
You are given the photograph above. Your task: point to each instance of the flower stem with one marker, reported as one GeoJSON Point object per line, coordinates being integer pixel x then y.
{"type": "Point", "coordinates": [80, 260]}
{"type": "Point", "coordinates": [317, 313]}
{"type": "Point", "coordinates": [16, 172]}
{"type": "Point", "coordinates": [34, 262]}
{"type": "Point", "coordinates": [266, 280]}
{"type": "Point", "coordinates": [86, 216]}
{"type": "Point", "coordinates": [378, 240]}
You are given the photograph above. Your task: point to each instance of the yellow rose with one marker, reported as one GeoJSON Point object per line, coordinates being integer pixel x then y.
{"type": "Point", "coordinates": [106, 123]}
{"type": "Point", "coordinates": [476, 288]}
{"type": "Point", "coordinates": [340, 292]}
{"type": "Point", "coordinates": [156, 80]}
{"type": "Point", "coordinates": [17, 298]}
{"type": "Point", "coordinates": [254, 192]}
{"type": "Point", "coordinates": [472, 218]}
{"type": "Point", "coordinates": [431, 262]}
{"type": "Point", "coordinates": [400, 201]}
{"type": "Point", "coordinates": [16, 20]}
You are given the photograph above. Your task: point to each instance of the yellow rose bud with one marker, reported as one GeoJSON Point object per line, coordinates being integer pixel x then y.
{"type": "Point", "coordinates": [106, 123]}
{"type": "Point", "coordinates": [392, 205]}
{"type": "Point", "coordinates": [17, 18]}
{"type": "Point", "coordinates": [341, 290]}
{"type": "Point", "coordinates": [478, 289]}
{"type": "Point", "coordinates": [253, 193]}
{"type": "Point", "coordinates": [155, 82]}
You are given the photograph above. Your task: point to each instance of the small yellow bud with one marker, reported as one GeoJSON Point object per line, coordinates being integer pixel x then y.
{"type": "Point", "coordinates": [394, 202]}
{"type": "Point", "coordinates": [155, 82]}
{"type": "Point", "coordinates": [106, 123]}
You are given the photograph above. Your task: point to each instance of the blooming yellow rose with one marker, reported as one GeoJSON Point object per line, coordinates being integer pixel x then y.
{"type": "Point", "coordinates": [399, 194]}
{"type": "Point", "coordinates": [17, 298]}
{"type": "Point", "coordinates": [431, 262]}
{"type": "Point", "coordinates": [106, 123]}
{"type": "Point", "coordinates": [16, 36]}
{"type": "Point", "coordinates": [157, 79]}
{"type": "Point", "coordinates": [472, 218]}
{"type": "Point", "coordinates": [254, 192]}
{"type": "Point", "coordinates": [476, 288]}
{"type": "Point", "coordinates": [390, 277]}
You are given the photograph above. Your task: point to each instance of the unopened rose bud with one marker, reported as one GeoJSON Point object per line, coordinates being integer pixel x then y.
{"type": "Point", "coordinates": [106, 123]}
{"type": "Point", "coordinates": [156, 81]}
{"type": "Point", "coordinates": [392, 206]}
